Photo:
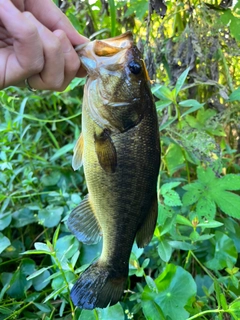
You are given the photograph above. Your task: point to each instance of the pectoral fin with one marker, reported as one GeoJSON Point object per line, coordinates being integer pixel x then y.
{"type": "Point", "coordinates": [106, 152]}
{"type": "Point", "coordinates": [146, 230]}
{"type": "Point", "coordinates": [78, 154]}
{"type": "Point", "coordinates": [83, 223]}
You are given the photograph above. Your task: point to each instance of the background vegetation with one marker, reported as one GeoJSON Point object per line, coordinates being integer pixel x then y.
{"type": "Point", "coordinates": [190, 270]}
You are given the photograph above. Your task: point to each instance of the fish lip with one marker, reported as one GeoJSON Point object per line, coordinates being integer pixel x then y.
{"type": "Point", "coordinates": [81, 46]}
{"type": "Point", "coordinates": [120, 42]}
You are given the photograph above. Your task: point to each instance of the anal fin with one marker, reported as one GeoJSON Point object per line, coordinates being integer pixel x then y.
{"type": "Point", "coordinates": [146, 230]}
{"type": "Point", "coordinates": [78, 153]}
{"type": "Point", "coordinates": [83, 223]}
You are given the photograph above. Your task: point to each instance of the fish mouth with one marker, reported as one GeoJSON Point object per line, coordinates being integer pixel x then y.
{"type": "Point", "coordinates": [108, 47]}
{"type": "Point", "coordinates": [110, 53]}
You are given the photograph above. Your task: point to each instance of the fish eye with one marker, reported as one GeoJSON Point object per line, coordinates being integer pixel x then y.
{"type": "Point", "coordinates": [135, 67]}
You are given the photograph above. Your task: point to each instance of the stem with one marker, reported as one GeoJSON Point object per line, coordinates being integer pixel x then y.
{"type": "Point", "coordinates": [65, 279]}
{"type": "Point", "coordinates": [226, 69]}
{"type": "Point", "coordinates": [206, 312]}
{"type": "Point", "coordinates": [202, 266]}
{"type": "Point", "coordinates": [19, 311]}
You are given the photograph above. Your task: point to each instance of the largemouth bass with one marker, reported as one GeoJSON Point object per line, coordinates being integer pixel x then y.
{"type": "Point", "coordinates": [120, 151]}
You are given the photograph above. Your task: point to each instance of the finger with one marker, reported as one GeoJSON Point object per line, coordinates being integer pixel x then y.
{"type": "Point", "coordinates": [53, 18]}
{"type": "Point", "coordinates": [71, 59]}
{"type": "Point", "coordinates": [52, 74]}
{"type": "Point", "coordinates": [24, 54]}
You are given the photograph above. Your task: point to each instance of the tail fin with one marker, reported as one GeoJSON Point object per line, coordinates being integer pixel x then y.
{"type": "Point", "coordinates": [98, 287]}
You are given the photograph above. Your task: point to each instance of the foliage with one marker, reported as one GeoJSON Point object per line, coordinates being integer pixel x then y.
{"type": "Point", "coordinates": [190, 270]}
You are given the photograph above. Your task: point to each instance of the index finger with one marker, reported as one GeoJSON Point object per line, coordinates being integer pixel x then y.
{"type": "Point", "coordinates": [53, 18]}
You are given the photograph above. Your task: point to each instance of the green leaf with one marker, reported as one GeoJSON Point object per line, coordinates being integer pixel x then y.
{"type": "Point", "coordinates": [66, 247]}
{"type": "Point", "coordinates": [174, 158]}
{"type": "Point", "coordinates": [62, 151]}
{"type": "Point", "coordinates": [88, 315]}
{"type": "Point", "coordinates": [229, 182]}
{"type": "Point", "coordinates": [164, 250]}
{"type": "Point", "coordinates": [162, 104]}
{"type": "Point", "coordinates": [181, 245]}
{"type": "Point", "coordinates": [190, 110]}
{"type": "Point", "coordinates": [228, 202]}
{"type": "Point", "coordinates": [206, 207]}
{"type": "Point", "coordinates": [180, 81]}
{"type": "Point", "coordinates": [114, 312]}
{"type": "Point", "coordinates": [234, 27]}
{"type": "Point", "coordinates": [235, 95]}
{"type": "Point", "coordinates": [41, 247]}
{"type": "Point", "coordinates": [171, 197]}
{"type": "Point", "coordinates": [37, 273]}
{"type": "Point", "coordinates": [5, 220]}
{"type": "Point", "coordinates": [152, 310]}
{"type": "Point", "coordinates": [51, 179]}
{"type": "Point", "coordinates": [163, 93]}
{"type": "Point", "coordinates": [210, 224]}
{"type": "Point", "coordinates": [190, 103]}
{"type": "Point", "coordinates": [4, 242]}
{"type": "Point", "coordinates": [234, 309]}
{"type": "Point", "coordinates": [225, 252]}
{"type": "Point", "coordinates": [175, 288]}
{"type": "Point", "coordinates": [50, 216]}
{"type": "Point", "coordinates": [23, 217]}
{"type": "Point", "coordinates": [182, 220]}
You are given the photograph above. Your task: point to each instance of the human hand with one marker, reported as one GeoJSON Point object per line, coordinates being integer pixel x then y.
{"type": "Point", "coordinates": [36, 43]}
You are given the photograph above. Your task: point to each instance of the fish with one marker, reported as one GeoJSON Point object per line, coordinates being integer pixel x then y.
{"type": "Point", "coordinates": [119, 148]}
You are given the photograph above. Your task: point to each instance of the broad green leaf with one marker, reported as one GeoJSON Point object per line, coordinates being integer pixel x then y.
{"type": "Point", "coordinates": [51, 179]}
{"type": "Point", "coordinates": [234, 309]}
{"type": "Point", "coordinates": [17, 284]}
{"type": "Point", "coordinates": [175, 288]}
{"type": "Point", "coordinates": [206, 207]}
{"type": "Point", "coordinates": [41, 246]}
{"type": "Point", "coordinates": [181, 245]}
{"type": "Point", "coordinates": [164, 250]}
{"type": "Point", "coordinates": [152, 310]}
{"type": "Point", "coordinates": [174, 158]}
{"type": "Point", "coordinates": [88, 315]}
{"type": "Point", "coordinates": [180, 81]}
{"type": "Point", "coordinates": [171, 198]}
{"type": "Point", "coordinates": [234, 27]}
{"type": "Point", "coordinates": [225, 252]}
{"type": "Point", "coordinates": [164, 94]}
{"type": "Point", "coordinates": [50, 216]}
{"type": "Point", "coordinates": [193, 194]}
{"type": "Point", "coordinates": [205, 176]}
{"type": "Point", "coordinates": [5, 311]}
{"type": "Point", "coordinates": [235, 95]}
{"type": "Point", "coordinates": [114, 312]}
{"type": "Point", "coordinates": [66, 247]}
{"type": "Point", "coordinates": [5, 220]}
{"type": "Point", "coordinates": [168, 186]}
{"type": "Point", "coordinates": [4, 242]}
{"type": "Point", "coordinates": [229, 182]}
{"type": "Point", "coordinates": [23, 217]}
{"type": "Point", "coordinates": [162, 104]}
{"type": "Point", "coordinates": [182, 220]}
{"type": "Point", "coordinates": [228, 202]}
